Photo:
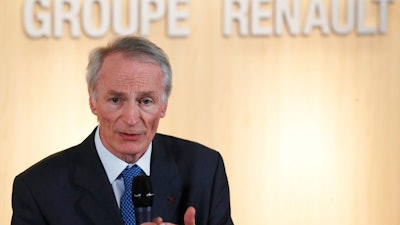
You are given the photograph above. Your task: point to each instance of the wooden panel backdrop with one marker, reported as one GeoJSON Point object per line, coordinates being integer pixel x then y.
{"type": "Point", "coordinates": [309, 126]}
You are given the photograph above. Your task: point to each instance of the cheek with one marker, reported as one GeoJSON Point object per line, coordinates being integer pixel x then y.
{"type": "Point", "coordinates": [151, 120]}
{"type": "Point", "coordinates": [154, 126]}
{"type": "Point", "coordinates": [106, 116]}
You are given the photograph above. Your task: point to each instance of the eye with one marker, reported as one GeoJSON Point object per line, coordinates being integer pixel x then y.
{"type": "Point", "coordinates": [146, 101]}
{"type": "Point", "coordinates": [115, 100]}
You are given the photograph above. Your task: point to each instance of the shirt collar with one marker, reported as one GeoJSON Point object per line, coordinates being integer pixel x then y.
{"type": "Point", "coordinates": [113, 165]}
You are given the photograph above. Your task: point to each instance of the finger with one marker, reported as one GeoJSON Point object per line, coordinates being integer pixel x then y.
{"type": "Point", "coordinates": [158, 220]}
{"type": "Point", "coordinates": [189, 217]}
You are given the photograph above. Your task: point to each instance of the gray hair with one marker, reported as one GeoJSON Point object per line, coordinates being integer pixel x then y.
{"type": "Point", "coordinates": [135, 47]}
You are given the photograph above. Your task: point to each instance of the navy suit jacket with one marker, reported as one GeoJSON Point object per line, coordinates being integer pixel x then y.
{"type": "Point", "coordinates": [72, 188]}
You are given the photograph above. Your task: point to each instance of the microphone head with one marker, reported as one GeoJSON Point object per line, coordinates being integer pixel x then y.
{"type": "Point", "coordinates": [142, 191]}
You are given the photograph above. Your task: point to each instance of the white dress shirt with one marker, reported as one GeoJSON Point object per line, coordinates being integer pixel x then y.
{"type": "Point", "coordinates": [114, 166]}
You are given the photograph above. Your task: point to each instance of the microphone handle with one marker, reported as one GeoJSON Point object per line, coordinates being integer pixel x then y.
{"type": "Point", "coordinates": [143, 214]}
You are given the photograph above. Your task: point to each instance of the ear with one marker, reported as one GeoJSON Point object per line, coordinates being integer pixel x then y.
{"type": "Point", "coordinates": [92, 104]}
{"type": "Point", "coordinates": [164, 110]}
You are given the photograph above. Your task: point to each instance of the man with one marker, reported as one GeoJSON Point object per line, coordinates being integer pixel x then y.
{"type": "Point", "coordinates": [129, 83]}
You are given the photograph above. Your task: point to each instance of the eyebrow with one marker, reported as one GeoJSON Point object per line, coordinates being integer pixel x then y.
{"type": "Point", "coordinates": [115, 93]}
{"type": "Point", "coordinates": [121, 94]}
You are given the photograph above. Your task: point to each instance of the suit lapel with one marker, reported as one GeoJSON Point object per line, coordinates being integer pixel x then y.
{"type": "Point", "coordinates": [97, 202]}
{"type": "Point", "coordinates": [166, 181]}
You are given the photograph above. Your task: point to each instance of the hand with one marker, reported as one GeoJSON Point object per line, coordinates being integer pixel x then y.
{"type": "Point", "coordinates": [189, 218]}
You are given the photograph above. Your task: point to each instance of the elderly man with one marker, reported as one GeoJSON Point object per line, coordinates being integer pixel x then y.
{"type": "Point", "coordinates": [129, 84]}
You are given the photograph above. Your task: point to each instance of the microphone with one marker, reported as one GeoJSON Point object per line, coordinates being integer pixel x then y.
{"type": "Point", "coordinates": [142, 197]}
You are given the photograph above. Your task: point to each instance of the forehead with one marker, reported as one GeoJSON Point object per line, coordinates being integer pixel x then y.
{"type": "Point", "coordinates": [121, 71]}
{"type": "Point", "coordinates": [121, 61]}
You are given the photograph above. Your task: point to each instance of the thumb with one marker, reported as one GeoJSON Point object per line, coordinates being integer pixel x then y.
{"type": "Point", "coordinates": [189, 217]}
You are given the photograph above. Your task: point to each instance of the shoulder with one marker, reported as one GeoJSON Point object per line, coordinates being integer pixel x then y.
{"type": "Point", "coordinates": [184, 147]}
{"type": "Point", "coordinates": [51, 166]}
{"type": "Point", "coordinates": [187, 155]}
{"type": "Point", "coordinates": [60, 162]}
{"type": "Point", "coordinates": [199, 167]}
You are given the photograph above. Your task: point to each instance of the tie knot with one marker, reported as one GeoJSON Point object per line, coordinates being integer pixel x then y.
{"type": "Point", "coordinates": [129, 173]}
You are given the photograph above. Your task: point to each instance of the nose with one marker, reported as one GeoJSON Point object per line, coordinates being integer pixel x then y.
{"type": "Point", "coordinates": [131, 114]}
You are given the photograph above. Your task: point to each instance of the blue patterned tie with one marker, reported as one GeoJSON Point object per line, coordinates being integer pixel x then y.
{"type": "Point", "coordinates": [127, 208]}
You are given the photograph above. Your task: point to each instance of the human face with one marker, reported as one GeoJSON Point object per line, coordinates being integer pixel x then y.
{"type": "Point", "coordinates": [128, 104]}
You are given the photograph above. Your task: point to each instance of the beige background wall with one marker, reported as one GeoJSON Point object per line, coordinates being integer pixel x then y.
{"type": "Point", "coordinates": [309, 126]}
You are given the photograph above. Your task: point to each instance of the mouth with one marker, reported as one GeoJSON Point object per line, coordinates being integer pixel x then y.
{"type": "Point", "coordinates": [129, 136]}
